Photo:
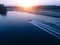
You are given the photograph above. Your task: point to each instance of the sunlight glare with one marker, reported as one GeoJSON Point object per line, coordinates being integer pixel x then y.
{"type": "Point", "coordinates": [25, 3]}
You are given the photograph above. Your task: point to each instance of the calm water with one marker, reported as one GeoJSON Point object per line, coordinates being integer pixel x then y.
{"type": "Point", "coordinates": [15, 29]}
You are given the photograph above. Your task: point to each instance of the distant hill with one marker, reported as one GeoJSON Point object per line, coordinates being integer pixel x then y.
{"type": "Point", "coordinates": [46, 7]}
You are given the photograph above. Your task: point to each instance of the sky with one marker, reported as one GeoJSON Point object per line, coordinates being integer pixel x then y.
{"type": "Point", "coordinates": [35, 2]}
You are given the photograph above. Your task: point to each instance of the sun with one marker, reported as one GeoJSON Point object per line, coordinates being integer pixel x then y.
{"type": "Point", "coordinates": [24, 3]}
{"type": "Point", "coordinates": [27, 3]}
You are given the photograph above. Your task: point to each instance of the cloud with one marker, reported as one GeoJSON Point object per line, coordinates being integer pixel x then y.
{"type": "Point", "coordinates": [38, 2]}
